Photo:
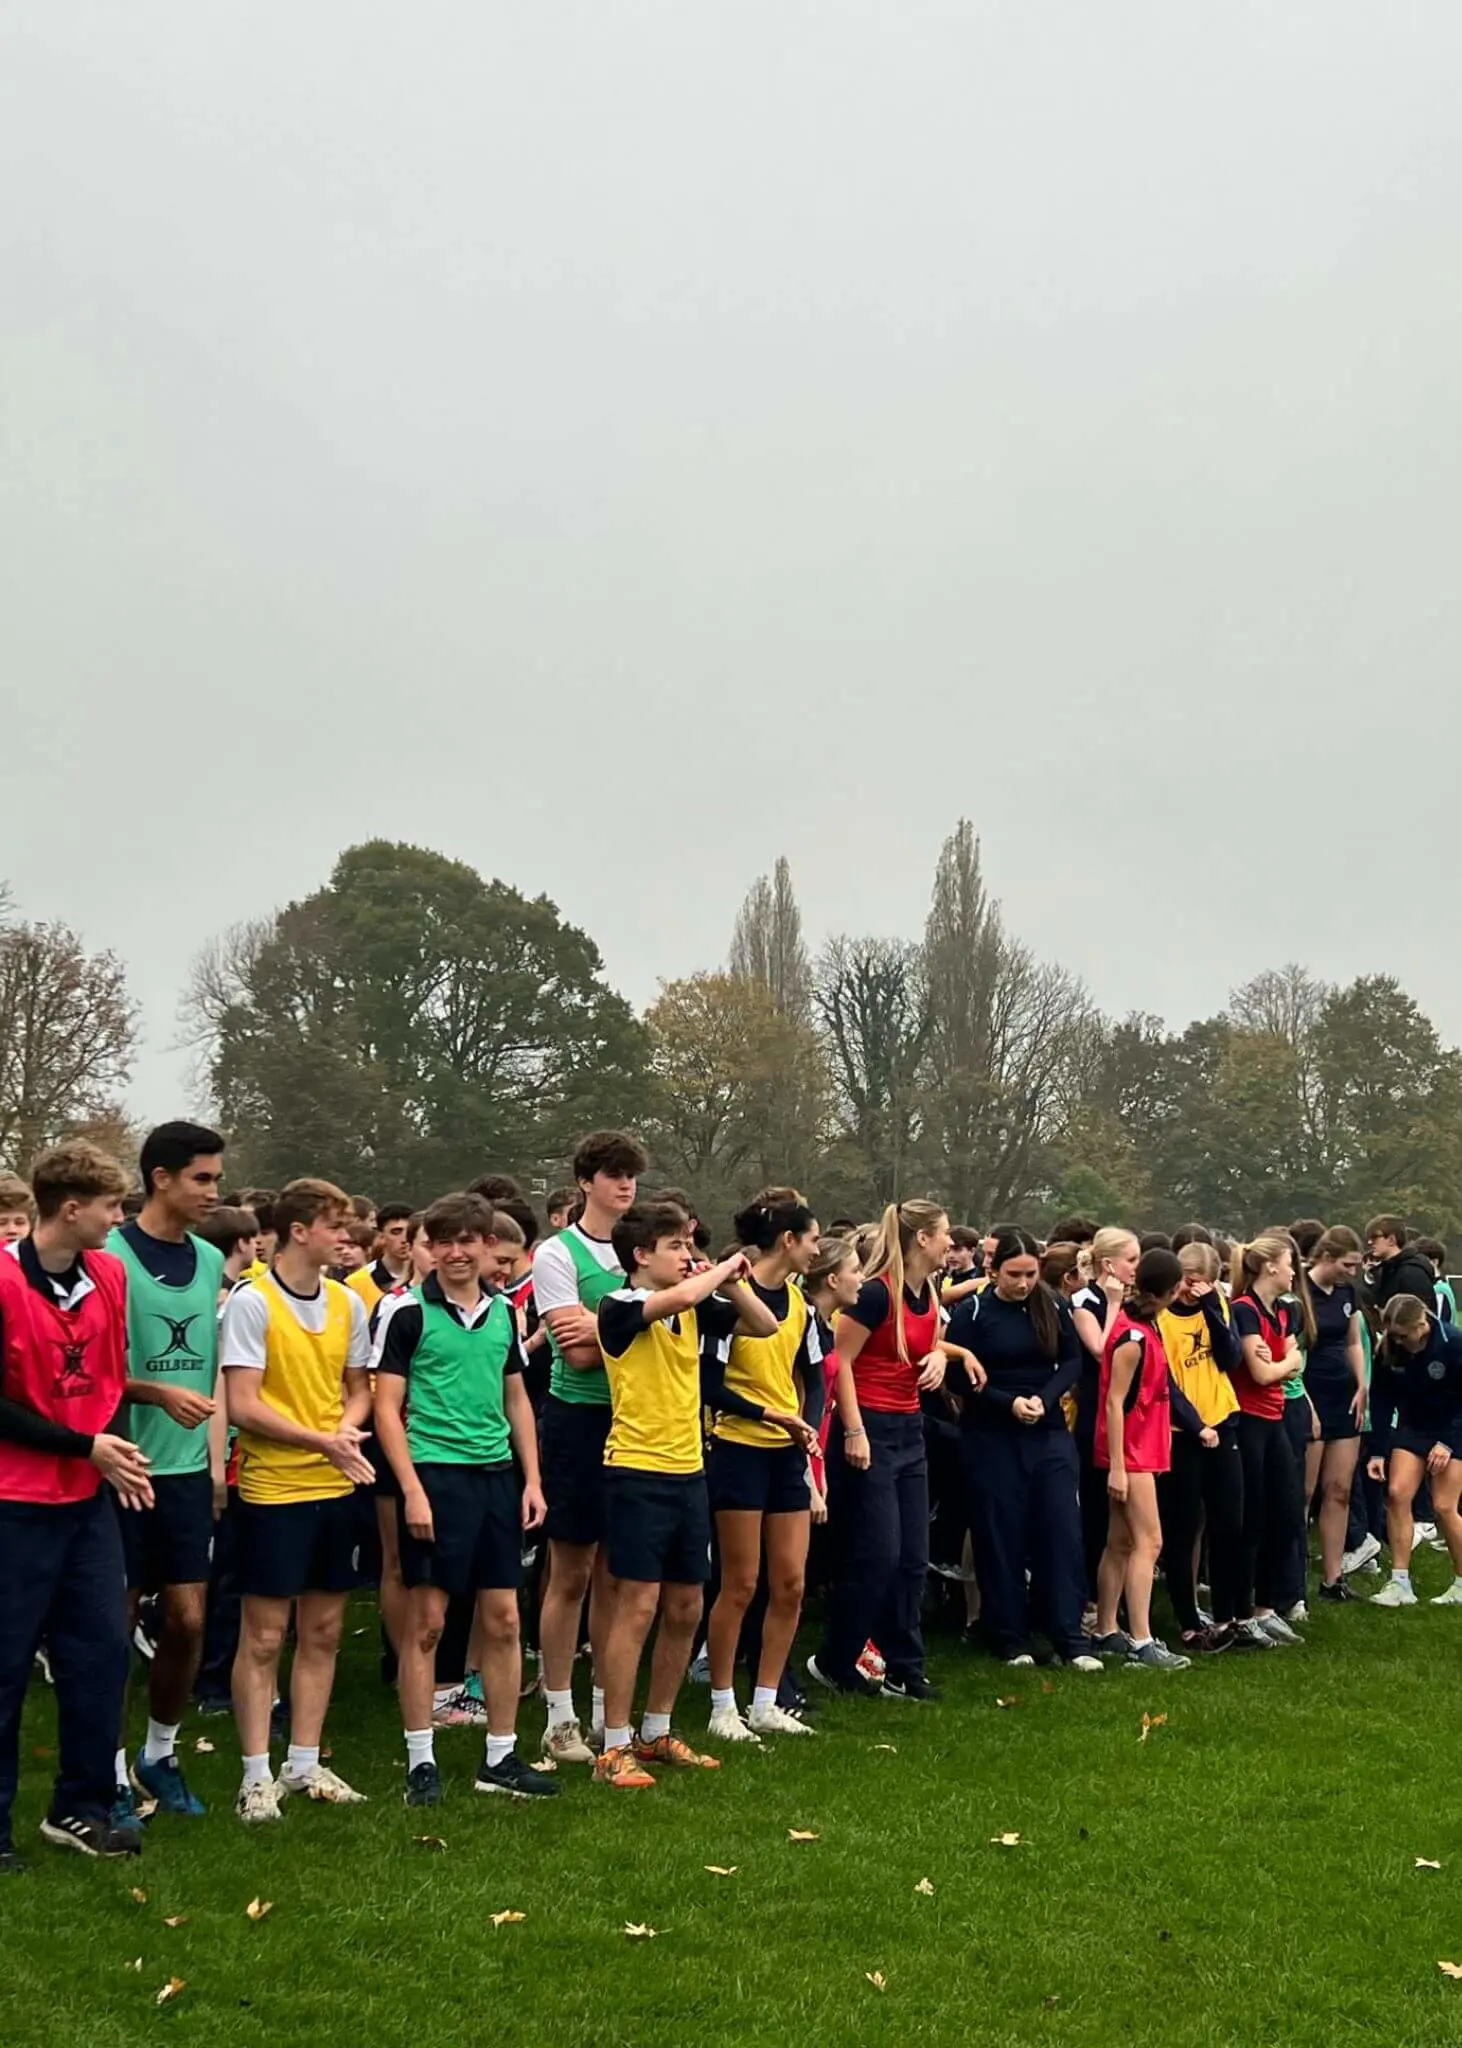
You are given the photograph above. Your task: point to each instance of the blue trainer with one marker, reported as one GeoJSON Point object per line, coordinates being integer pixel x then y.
{"type": "Point", "coordinates": [164, 1782]}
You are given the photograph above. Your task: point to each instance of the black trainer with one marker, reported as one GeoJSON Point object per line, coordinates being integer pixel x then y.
{"type": "Point", "coordinates": [12, 1863]}
{"type": "Point", "coordinates": [93, 1834]}
{"type": "Point", "coordinates": [424, 1786]}
{"type": "Point", "coordinates": [856, 1688]}
{"type": "Point", "coordinates": [915, 1687]}
{"type": "Point", "coordinates": [517, 1779]}
{"type": "Point", "coordinates": [1338, 1591]}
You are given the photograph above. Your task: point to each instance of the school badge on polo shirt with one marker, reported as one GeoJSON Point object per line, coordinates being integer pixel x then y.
{"type": "Point", "coordinates": [1436, 1369]}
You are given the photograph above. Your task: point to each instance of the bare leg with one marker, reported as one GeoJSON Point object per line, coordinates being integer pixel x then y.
{"type": "Point", "coordinates": [319, 1618]}
{"type": "Point", "coordinates": [262, 1627]}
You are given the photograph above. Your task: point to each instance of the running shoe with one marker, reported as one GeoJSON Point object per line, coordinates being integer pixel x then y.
{"type": "Point", "coordinates": [1117, 1644]}
{"type": "Point", "coordinates": [1279, 1631]}
{"type": "Point", "coordinates": [773, 1720]}
{"type": "Point", "coordinates": [423, 1786]}
{"type": "Point", "coordinates": [1299, 1612]}
{"type": "Point", "coordinates": [915, 1687]}
{"type": "Point", "coordinates": [92, 1834]}
{"type": "Point", "coordinates": [321, 1785]}
{"type": "Point", "coordinates": [1336, 1590]}
{"type": "Point", "coordinates": [1155, 1656]}
{"type": "Point", "coordinates": [1249, 1635]}
{"type": "Point", "coordinates": [1363, 1557]}
{"type": "Point", "coordinates": [1424, 1532]}
{"type": "Point", "coordinates": [857, 1687]}
{"type": "Point", "coordinates": [125, 1811]}
{"type": "Point", "coordinates": [516, 1779]}
{"type": "Point", "coordinates": [459, 1710]}
{"type": "Point", "coordinates": [258, 1802]}
{"type": "Point", "coordinates": [1085, 1663]}
{"type": "Point", "coordinates": [1211, 1641]}
{"type": "Point", "coordinates": [1205, 1619]}
{"type": "Point", "coordinates": [164, 1782]}
{"type": "Point", "coordinates": [1451, 1598]}
{"type": "Point", "coordinates": [669, 1749]}
{"type": "Point", "coordinates": [700, 1667]}
{"type": "Point", "coordinates": [1394, 1594]}
{"type": "Point", "coordinates": [726, 1725]}
{"type": "Point", "coordinates": [12, 1863]}
{"type": "Point", "coordinates": [1022, 1661]}
{"type": "Point", "coordinates": [617, 1767]}
{"type": "Point", "coordinates": [564, 1743]}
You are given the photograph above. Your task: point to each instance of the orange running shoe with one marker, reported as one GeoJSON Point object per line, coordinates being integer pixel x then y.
{"type": "Point", "coordinates": [618, 1767]}
{"type": "Point", "coordinates": [669, 1749]}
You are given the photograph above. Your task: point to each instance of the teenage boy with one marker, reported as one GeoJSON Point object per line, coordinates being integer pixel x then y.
{"type": "Point", "coordinates": [451, 1414]}
{"type": "Point", "coordinates": [1397, 1266]}
{"type": "Point", "coordinates": [63, 1368]}
{"type": "Point", "coordinates": [391, 1266]}
{"type": "Point", "coordinates": [572, 1273]}
{"type": "Point", "coordinates": [17, 1210]}
{"type": "Point", "coordinates": [658, 1517]}
{"type": "Point", "coordinates": [294, 1350]}
{"type": "Point", "coordinates": [173, 1284]}
{"type": "Point", "coordinates": [561, 1206]}
{"type": "Point", "coordinates": [261, 1201]}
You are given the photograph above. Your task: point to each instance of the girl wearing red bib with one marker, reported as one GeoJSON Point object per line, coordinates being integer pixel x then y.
{"type": "Point", "coordinates": [1261, 1273]}
{"type": "Point", "coordinates": [1134, 1443]}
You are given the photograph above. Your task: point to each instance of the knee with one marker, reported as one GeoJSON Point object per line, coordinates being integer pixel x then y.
{"type": "Point", "coordinates": [634, 1604]}
{"type": "Point", "coordinates": [320, 1635]}
{"type": "Point", "coordinates": [183, 1613]}
{"type": "Point", "coordinates": [1335, 1493]}
{"type": "Point", "coordinates": [786, 1589]}
{"type": "Point", "coordinates": [568, 1583]}
{"type": "Point", "coordinates": [261, 1640]}
{"type": "Point", "coordinates": [681, 1609]}
{"type": "Point", "coordinates": [427, 1634]}
{"type": "Point", "coordinates": [738, 1589]}
{"type": "Point", "coordinates": [499, 1623]}
{"type": "Point", "coordinates": [1398, 1498]}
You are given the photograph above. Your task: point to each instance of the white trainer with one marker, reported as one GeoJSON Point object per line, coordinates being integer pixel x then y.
{"type": "Point", "coordinates": [564, 1743]}
{"type": "Point", "coordinates": [775, 1720]}
{"type": "Point", "coordinates": [1362, 1558]}
{"type": "Point", "coordinates": [325, 1786]}
{"type": "Point", "coordinates": [1394, 1594]}
{"type": "Point", "coordinates": [1451, 1598]}
{"type": "Point", "coordinates": [258, 1802]}
{"type": "Point", "coordinates": [726, 1725]}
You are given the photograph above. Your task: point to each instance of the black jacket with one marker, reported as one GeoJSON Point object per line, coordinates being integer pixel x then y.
{"type": "Point", "coordinates": [1407, 1273]}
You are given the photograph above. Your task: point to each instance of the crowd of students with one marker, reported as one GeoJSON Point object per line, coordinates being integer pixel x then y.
{"type": "Point", "coordinates": [222, 1413]}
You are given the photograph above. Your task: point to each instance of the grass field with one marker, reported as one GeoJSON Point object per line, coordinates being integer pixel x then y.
{"type": "Point", "coordinates": [1248, 1875]}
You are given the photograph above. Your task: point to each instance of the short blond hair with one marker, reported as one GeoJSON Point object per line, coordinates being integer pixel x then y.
{"type": "Point", "coordinates": [15, 1197]}
{"type": "Point", "coordinates": [75, 1172]}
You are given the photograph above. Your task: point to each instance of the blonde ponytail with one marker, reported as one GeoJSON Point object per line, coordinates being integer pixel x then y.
{"type": "Point", "coordinates": [898, 1228]}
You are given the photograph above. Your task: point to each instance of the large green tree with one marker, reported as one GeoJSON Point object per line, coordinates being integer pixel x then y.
{"type": "Point", "coordinates": [411, 1025]}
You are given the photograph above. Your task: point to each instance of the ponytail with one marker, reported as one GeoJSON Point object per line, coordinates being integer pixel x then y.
{"type": "Point", "coordinates": [898, 1230]}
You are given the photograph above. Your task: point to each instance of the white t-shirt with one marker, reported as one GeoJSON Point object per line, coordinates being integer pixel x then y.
{"type": "Point", "coordinates": [244, 1336]}
{"type": "Point", "coordinates": [556, 1277]}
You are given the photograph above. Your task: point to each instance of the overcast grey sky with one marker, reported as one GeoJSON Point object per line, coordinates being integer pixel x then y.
{"type": "Point", "coordinates": [776, 427]}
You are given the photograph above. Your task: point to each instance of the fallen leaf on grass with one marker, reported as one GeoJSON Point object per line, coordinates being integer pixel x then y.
{"type": "Point", "coordinates": [723, 1869]}
{"type": "Point", "coordinates": [1151, 1721]}
{"type": "Point", "coordinates": [135, 1964]}
{"type": "Point", "coordinates": [176, 1920]}
{"type": "Point", "coordinates": [1007, 1841]}
{"type": "Point", "coordinates": [42, 1752]}
{"type": "Point", "coordinates": [802, 1835]}
{"type": "Point", "coordinates": [1046, 1686]}
{"type": "Point", "coordinates": [877, 1979]}
{"type": "Point", "coordinates": [139, 1896]}
{"type": "Point", "coordinates": [357, 1631]}
{"type": "Point", "coordinates": [171, 1989]}
{"type": "Point", "coordinates": [924, 1888]}
{"type": "Point", "coordinates": [1012, 1702]}
{"type": "Point", "coordinates": [889, 1746]}
{"type": "Point", "coordinates": [1051, 2002]}
{"type": "Point", "coordinates": [428, 1841]}
{"type": "Point", "coordinates": [257, 1908]}
{"type": "Point", "coordinates": [507, 1919]}
{"type": "Point", "coordinates": [203, 1747]}
{"type": "Point", "coordinates": [637, 1931]}
{"type": "Point", "coordinates": [1425, 1863]}
{"type": "Point", "coordinates": [1450, 1969]}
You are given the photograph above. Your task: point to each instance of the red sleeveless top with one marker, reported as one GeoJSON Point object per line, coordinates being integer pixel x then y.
{"type": "Point", "coordinates": [1147, 1439]}
{"type": "Point", "coordinates": [883, 1381]}
{"type": "Point", "coordinates": [69, 1365]}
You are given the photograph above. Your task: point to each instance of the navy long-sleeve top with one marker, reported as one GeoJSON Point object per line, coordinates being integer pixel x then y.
{"type": "Point", "coordinates": [1421, 1392]}
{"type": "Point", "coordinates": [1002, 1338]}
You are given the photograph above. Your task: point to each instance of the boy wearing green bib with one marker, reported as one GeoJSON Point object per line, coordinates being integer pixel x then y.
{"type": "Point", "coordinates": [173, 1281]}
{"type": "Point", "coordinates": [451, 1413]}
{"type": "Point", "coordinates": [572, 1274]}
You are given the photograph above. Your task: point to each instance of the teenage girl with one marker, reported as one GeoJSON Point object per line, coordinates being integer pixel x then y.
{"type": "Point", "coordinates": [1134, 1445]}
{"type": "Point", "coordinates": [1335, 1379]}
{"type": "Point", "coordinates": [758, 1468]}
{"type": "Point", "coordinates": [1261, 1276]}
{"type": "Point", "coordinates": [1112, 1259]}
{"type": "Point", "coordinates": [1418, 1422]}
{"type": "Point", "coordinates": [1020, 1459]}
{"type": "Point", "coordinates": [1204, 1489]}
{"type": "Point", "coordinates": [889, 1351]}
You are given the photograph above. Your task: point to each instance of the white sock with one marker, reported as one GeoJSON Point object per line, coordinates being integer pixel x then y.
{"type": "Point", "coordinates": [596, 1708]}
{"type": "Point", "coordinates": [119, 1768]}
{"type": "Point", "coordinates": [419, 1748]}
{"type": "Point", "coordinates": [301, 1761]}
{"type": "Point", "coordinates": [560, 1706]}
{"type": "Point", "coordinates": [616, 1738]}
{"type": "Point", "coordinates": [256, 1769]}
{"type": "Point", "coordinates": [1141, 1642]}
{"type": "Point", "coordinates": [498, 1747]}
{"type": "Point", "coordinates": [162, 1742]}
{"type": "Point", "coordinates": [1402, 1578]}
{"type": "Point", "coordinates": [722, 1696]}
{"type": "Point", "coordinates": [653, 1726]}
{"type": "Point", "coordinates": [764, 1696]}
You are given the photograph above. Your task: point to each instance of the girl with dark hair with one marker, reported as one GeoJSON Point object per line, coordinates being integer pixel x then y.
{"type": "Point", "coordinates": [1336, 1381]}
{"type": "Point", "coordinates": [1134, 1445]}
{"type": "Point", "coordinates": [889, 1352]}
{"type": "Point", "coordinates": [1416, 1434]}
{"type": "Point", "coordinates": [1019, 1458]}
{"type": "Point", "coordinates": [758, 1467]}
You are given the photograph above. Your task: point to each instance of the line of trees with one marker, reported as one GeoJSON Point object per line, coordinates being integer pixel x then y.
{"type": "Point", "coordinates": [410, 1024]}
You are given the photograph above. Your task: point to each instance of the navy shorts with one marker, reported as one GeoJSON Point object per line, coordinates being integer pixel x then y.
{"type": "Point", "coordinates": [1332, 1393]}
{"type": "Point", "coordinates": [658, 1526]}
{"type": "Point", "coordinates": [758, 1477]}
{"type": "Point", "coordinates": [291, 1547]}
{"type": "Point", "coordinates": [170, 1543]}
{"type": "Point", "coordinates": [1419, 1442]}
{"type": "Point", "coordinates": [477, 1530]}
{"type": "Point", "coordinates": [572, 1454]}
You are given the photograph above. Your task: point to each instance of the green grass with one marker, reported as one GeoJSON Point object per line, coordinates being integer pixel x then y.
{"type": "Point", "coordinates": [1247, 1875]}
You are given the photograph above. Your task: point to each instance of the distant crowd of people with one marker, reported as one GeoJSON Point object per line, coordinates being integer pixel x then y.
{"type": "Point", "coordinates": [223, 1412]}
